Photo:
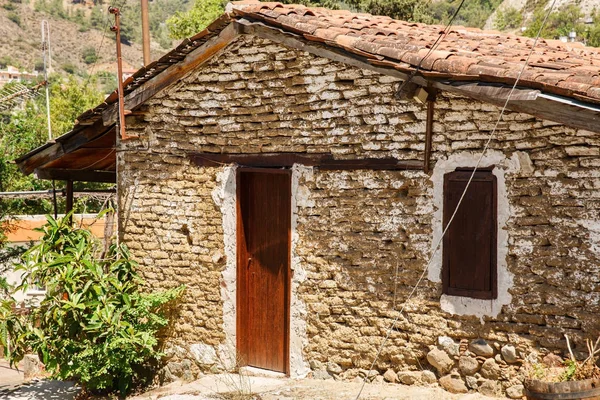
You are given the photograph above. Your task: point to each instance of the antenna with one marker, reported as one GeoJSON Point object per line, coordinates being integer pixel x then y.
{"type": "Point", "coordinates": [47, 66]}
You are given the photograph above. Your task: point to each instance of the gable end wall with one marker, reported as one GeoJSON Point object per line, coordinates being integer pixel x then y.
{"type": "Point", "coordinates": [361, 237]}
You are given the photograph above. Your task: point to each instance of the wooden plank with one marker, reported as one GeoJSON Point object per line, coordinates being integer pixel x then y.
{"type": "Point", "coordinates": [172, 74]}
{"type": "Point", "coordinates": [263, 265]}
{"type": "Point", "coordinates": [63, 145]}
{"type": "Point", "coordinates": [428, 135]}
{"type": "Point", "coordinates": [325, 161]}
{"type": "Point", "coordinates": [76, 175]}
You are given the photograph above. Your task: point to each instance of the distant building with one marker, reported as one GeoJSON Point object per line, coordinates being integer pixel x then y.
{"type": "Point", "coordinates": [13, 74]}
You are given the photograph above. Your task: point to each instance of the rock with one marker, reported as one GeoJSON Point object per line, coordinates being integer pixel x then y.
{"type": "Point", "coordinates": [165, 376]}
{"type": "Point", "coordinates": [509, 353]}
{"type": "Point", "coordinates": [333, 368]}
{"type": "Point", "coordinates": [471, 382]}
{"type": "Point", "coordinates": [481, 348]}
{"type": "Point", "coordinates": [409, 377]}
{"type": "Point", "coordinates": [448, 345]}
{"type": "Point", "coordinates": [390, 376]}
{"type": "Point", "coordinates": [320, 374]}
{"type": "Point", "coordinates": [369, 374]}
{"type": "Point", "coordinates": [176, 369]}
{"type": "Point", "coordinates": [378, 379]}
{"type": "Point", "coordinates": [515, 392]}
{"type": "Point", "coordinates": [428, 377]}
{"type": "Point", "coordinates": [468, 365]}
{"type": "Point", "coordinates": [453, 385]}
{"type": "Point", "coordinates": [552, 360]}
{"type": "Point", "coordinates": [316, 365]}
{"type": "Point", "coordinates": [490, 369]}
{"type": "Point", "coordinates": [490, 388]}
{"type": "Point", "coordinates": [32, 366]}
{"type": "Point", "coordinates": [204, 354]}
{"type": "Point", "coordinates": [440, 361]}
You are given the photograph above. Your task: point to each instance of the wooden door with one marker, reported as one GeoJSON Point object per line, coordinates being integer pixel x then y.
{"type": "Point", "coordinates": [263, 265]}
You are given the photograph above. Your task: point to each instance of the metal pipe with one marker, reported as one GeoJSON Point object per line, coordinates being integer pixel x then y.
{"type": "Point", "coordinates": [47, 58]}
{"type": "Point", "coordinates": [69, 195]}
{"type": "Point", "coordinates": [146, 32]}
{"type": "Point", "coordinates": [54, 200]}
{"type": "Point", "coordinates": [117, 29]}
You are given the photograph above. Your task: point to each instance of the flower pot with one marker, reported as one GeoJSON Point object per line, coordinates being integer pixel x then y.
{"type": "Point", "coordinates": [588, 389]}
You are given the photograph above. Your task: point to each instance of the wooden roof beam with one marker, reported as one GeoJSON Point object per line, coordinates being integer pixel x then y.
{"type": "Point", "coordinates": [76, 175]}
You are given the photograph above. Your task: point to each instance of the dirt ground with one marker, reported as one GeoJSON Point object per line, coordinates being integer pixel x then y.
{"type": "Point", "coordinates": [232, 387]}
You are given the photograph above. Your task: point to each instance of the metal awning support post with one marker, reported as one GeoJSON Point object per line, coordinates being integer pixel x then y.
{"type": "Point", "coordinates": [69, 194]}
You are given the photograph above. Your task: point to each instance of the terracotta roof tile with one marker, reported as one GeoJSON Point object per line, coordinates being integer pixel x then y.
{"type": "Point", "coordinates": [555, 67]}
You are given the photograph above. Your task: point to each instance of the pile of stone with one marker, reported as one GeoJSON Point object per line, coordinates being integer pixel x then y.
{"type": "Point", "coordinates": [460, 367]}
{"type": "Point", "coordinates": [476, 365]}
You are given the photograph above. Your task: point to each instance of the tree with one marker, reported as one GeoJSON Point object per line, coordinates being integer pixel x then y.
{"type": "Point", "coordinates": [203, 12]}
{"type": "Point", "coordinates": [26, 129]}
{"type": "Point", "coordinates": [559, 23]}
{"type": "Point", "coordinates": [508, 18]}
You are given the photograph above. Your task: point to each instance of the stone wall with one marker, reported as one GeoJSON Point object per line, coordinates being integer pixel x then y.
{"type": "Point", "coordinates": [363, 237]}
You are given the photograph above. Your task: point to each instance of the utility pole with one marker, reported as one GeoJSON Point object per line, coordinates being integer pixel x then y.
{"type": "Point", "coordinates": [145, 32]}
{"type": "Point", "coordinates": [47, 65]}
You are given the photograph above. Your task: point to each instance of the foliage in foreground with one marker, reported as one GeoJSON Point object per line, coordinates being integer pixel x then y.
{"type": "Point", "coordinates": [94, 325]}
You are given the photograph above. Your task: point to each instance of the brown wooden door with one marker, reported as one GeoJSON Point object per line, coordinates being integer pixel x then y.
{"type": "Point", "coordinates": [263, 265]}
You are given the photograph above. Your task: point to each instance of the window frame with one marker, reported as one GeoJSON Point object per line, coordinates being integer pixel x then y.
{"type": "Point", "coordinates": [482, 175]}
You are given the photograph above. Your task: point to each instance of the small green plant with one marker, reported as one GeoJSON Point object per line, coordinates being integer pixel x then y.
{"type": "Point", "coordinates": [94, 324]}
{"type": "Point", "coordinates": [570, 369]}
{"type": "Point", "coordinates": [14, 17]}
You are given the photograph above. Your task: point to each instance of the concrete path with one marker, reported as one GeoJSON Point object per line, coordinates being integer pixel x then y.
{"type": "Point", "coordinates": [232, 387]}
{"type": "Point", "coordinates": [14, 387]}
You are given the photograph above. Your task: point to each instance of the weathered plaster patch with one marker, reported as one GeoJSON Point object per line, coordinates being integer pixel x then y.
{"type": "Point", "coordinates": [465, 305]}
{"type": "Point", "coordinates": [593, 237]}
{"type": "Point", "coordinates": [298, 338]}
{"type": "Point", "coordinates": [224, 196]}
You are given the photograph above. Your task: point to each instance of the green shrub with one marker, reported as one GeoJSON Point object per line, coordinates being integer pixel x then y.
{"type": "Point", "coordinates": [94, 324]}
{"type": "Point", "coordinates": [508, 18]}
{"type": "Point", "coordinates": [89, 55]}
{"type": "Point", "coordinates": [14, 17]}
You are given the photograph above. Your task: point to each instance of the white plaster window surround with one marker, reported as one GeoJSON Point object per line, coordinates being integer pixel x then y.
{"type": "Point", "coordinates": [224, 196]}
{"type": "Point", "coordinates": [465, 305]}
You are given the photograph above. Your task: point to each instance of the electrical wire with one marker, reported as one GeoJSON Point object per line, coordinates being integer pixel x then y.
{"type": "Point", "coordinates": [442, 34]}
{"type": "Point", "coordinates": [437, 244]}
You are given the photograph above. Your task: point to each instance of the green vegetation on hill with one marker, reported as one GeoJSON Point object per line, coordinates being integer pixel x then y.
{"type": "Point", "coordinates": [23, 130]}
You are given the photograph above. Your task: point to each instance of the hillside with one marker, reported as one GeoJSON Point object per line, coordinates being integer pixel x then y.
{"type": "Point", "coordinates": [526, 8]}
{"type": "Point", "coordinates": [71, 41]}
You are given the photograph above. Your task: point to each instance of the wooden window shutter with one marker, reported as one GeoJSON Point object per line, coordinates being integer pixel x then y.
{"type": "Point", "coordinates": [469, 248]}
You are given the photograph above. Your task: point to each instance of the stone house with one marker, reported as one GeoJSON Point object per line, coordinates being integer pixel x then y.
{"type": "Point", "coordinates": [294, 167]}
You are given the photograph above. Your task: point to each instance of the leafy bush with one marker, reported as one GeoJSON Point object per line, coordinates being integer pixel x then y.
{"type": "Point", "coordinates": [14, 17]}
{"type": "Point", "coordinates": [94, 325]}
{"type": "Point", "coordinates": [508, 18]}
{"type": "Point", "coordinates": [89, 55]}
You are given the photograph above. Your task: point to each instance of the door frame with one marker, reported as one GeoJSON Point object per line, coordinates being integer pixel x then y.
{"type": "Point", "coordinates": [242, 343]}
